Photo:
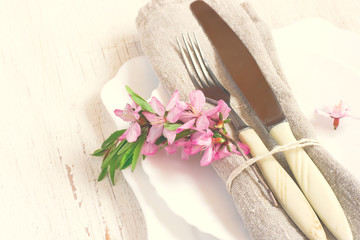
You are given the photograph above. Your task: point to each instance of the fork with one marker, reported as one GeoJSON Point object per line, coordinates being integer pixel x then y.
{"type": "Point", "coordinates": [205, 80]}
{"type": "Point", "coordinates": [281, 184]}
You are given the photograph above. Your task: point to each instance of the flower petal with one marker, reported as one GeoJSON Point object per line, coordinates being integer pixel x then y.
{"type": "Point", "coordinates": [149, 149]}
{"type": "Point", "coordinates": [186, 125]}
{"type": "Point", "coordinates": [212, 112]}
{"type": "Point", "coordinates": [192, 149]}
{"type": "Point", "coordinates": [207, 157]}
{"type": "Point", "coordinates": [128, 114]}
{"type": "Point", "coordinates": [202, 138]}
{"type": "Point", "coordinates": [245, 148]}
{"type": "Point", "coordinates": [170, 135]}
{"type": "Point", "coordinates": [118, 112]}
{"type": "Point", "coordinates": [221, 154]}
{"type": "Point", "coordinates": [224, 109]}
{"type": "Point", "coordinates": [154, 133]}
{"type": "Point", "coordinates": [172, 148]}
{"type": "Point", "coordinates": [173, 100]}
{"type": "Point", "coordinates": [133, 132]}
{"type": "Point", "coordinates": [202, 123]}
{"type": "Point", "coordinates": [184, 156]}
{"type": "Point", "coordinates": [187, 116]}
{"type": "Point", "coordinates": [157, 106]}
{"type": "Point", "coordinates": [123, 136]}
{"type": "Point", "coordinates": [182, 142]}
{"type": "Point", "coordinates": [153, 118]}
{"type": "Point", "coordinates": [197, 99]}
{"type": "Point", "coordinates": [174, 114]}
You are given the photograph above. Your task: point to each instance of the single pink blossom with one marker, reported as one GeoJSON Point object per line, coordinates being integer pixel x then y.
{"type": "Point", "coordinates": [222, 108]}
{"type": "Point", "coordinates": [336, 112]}
{"type": "Point", "coordinates": [213, 148]}
{"type": "Point", "coordinates": [194, 108]}
{"type": "Point", "coordinates": [130, 115]}
{"type": "Point", "coordinates": [162, 115]}
{"type": "Point", "coordinates": [224, 151]}
{"type": "Point", "coordinates": [195, 115]}
{"type": "Point", "coordinates": [201, 141]}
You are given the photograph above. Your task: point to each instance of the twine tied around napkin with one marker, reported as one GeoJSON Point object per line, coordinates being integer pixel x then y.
{"type": "Point", "coordinates": [279, 148]}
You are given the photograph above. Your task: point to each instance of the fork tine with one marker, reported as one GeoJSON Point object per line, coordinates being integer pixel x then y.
{"type": "Point", "coordinates": [208, 81]}
{"type": "Point", "coordinates": [194, 60]}
{"type": "Point", "coordinates": [209, 71]}
{"type": "Point", "coordinates": [187, 65]}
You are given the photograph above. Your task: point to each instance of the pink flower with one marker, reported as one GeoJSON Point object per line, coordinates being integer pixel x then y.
{"type": "Point", "coordinates": [201, 141]}
{"type": "Point", "coordinates": [194, 108]}
{"type": "Point", "coordinates": [336, 112]}
{"type": "Point", "coordinates": [162, 115]}
{"type": "Point", "coordinates": [213, 148]}
{"type": "Point", "coordinates": [194, 113]}
{"type": "Point", "coordinates": [224, 151]}
{"type": "Point", "coordinates": [130, 115]}
{"type": "Point", "coordinates": [222, 108]}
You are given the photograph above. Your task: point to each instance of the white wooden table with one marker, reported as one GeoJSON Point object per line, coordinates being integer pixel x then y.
{"type": "Point", "coordinates": [54, 58]}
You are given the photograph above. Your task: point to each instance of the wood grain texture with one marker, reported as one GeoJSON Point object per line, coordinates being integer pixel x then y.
{"type": "Point", "coordinates": [54, 58]}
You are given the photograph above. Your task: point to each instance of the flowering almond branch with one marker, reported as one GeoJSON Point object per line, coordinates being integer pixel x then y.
{"type": "Point", "coordinates": [179, 125]}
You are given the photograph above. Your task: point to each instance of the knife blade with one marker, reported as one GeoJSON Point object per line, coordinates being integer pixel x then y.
{"type": "Point", "coordinates": [246, 73]}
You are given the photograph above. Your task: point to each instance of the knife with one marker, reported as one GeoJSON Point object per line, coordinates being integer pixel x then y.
{"type": "Point", "coordinates": [244, 70]}
{"type": "Point", "coordinates": [287, 192]}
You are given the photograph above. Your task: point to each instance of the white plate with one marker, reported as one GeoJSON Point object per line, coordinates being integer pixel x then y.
{"type": "Point", "coordinates": [321, 65]}
{"type": "Point", "coordinates": [162, 222]}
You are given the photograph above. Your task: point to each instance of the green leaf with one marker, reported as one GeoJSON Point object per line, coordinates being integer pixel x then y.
{"type": "Point", "coordinates": [185, 133]}
{"type": "Point", "coordinates": [227, 120]}
{"type": "Point", "coordinates": [126, 164]}
{"type": "Point", "coordinates": [143, 157]}
{"type": "Point", "coordinates": [118, 150]}
{"type": "Point", "coordinates": [112, 172]}
{"type": "Point", "coordinates": [137, 151]}
{"type": "Point", "coordinates": [160, 140]}
{"type": "Point", "coordinates": [110, 157]}
{"type": "Point", "coordinates": [127, 155]}
{"type": "Point", "coordinates": [221, 116]}
{"type": "Point", "coordinates": [100, 152]}
{"type": "Point", "coordinates": [172, 126]}
{"type": "Point", "coordinates": [117, 162]}
{"type": "Point", "coordinates": [139, 100]}
{"type": "Point", "coordinates": [217, 135]}
{"type": "Point", "coordinates": [113, 137]}
{"type": "Point", "coordinates": [102, 174]}
{"type": "Point", "coordinates": [126, 146]}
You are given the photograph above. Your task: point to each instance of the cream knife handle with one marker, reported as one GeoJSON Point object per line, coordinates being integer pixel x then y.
{"type": "Point", "coordinates": [313, 184]}
{"type": "Point", "coordinates": [284, 188]}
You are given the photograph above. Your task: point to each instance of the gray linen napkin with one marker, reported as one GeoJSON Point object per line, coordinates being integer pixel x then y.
{"type": "Point", "coordinates": [159, 23]}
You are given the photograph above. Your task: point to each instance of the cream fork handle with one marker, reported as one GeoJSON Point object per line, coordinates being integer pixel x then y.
{"type": "Point", "coordinates": [313, 184]}
{"type": "Point", "coordinates": [284, 188]}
